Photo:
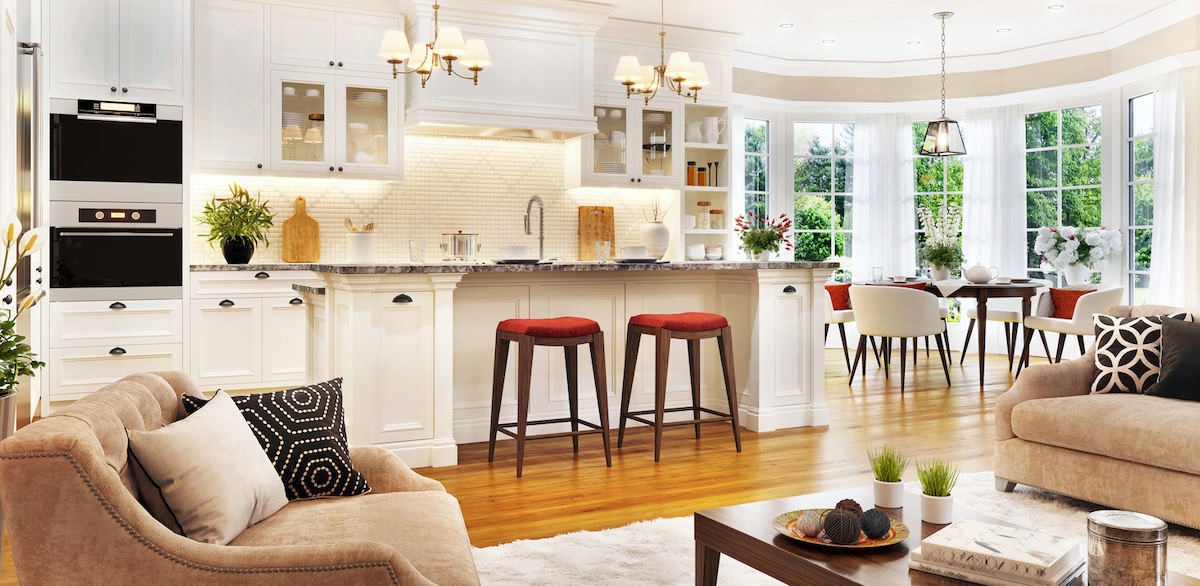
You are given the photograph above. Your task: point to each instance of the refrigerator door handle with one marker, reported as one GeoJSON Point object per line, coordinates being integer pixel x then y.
{"type": "Point", "coordinates": [35, 166]}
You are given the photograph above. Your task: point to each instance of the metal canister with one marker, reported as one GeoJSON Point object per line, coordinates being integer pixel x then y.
{"type": "Point", "coordinates": [459, 246]}
{"type": "Point", "coordinates": [1126, 548]}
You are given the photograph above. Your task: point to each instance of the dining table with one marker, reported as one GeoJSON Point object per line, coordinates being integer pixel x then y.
{"type": "Point", "coordinates": [981, 293]}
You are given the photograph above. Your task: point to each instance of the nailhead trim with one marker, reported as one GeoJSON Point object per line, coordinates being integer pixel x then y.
{"type": "Point", "coordinates": [176, 559]}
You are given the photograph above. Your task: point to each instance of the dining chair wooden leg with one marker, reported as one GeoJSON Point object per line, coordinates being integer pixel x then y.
{"type": "Point", "coordinates": [859, 355]}
{"type": "Point", "coordinates": [903, 353]}
{"type": "Point", "coordinates": [1010, 333]}
{"type": "Point", "coordinates": [1024, 361]}
{"type": "Point", "coordinates": [662, 354]}
{"type": "Point", "coordinates": [826, 338]}
{"type": "Point", "coordinates": [916, 347]}
{"type": "Point", "coordinates": [1082, 347]}
{"type": "Point", "coordinates": [887, 357]}
{"type": "Point", "coordinates": [966, 341]}
{"type": "Point", "coordinates": [632, 341]}
{"type": "Point", "coordinates": [524, 374]}
{"type": "Point", "coordinates": [725, 347]}
{"type": "Point", "coordinates": [499, 367]}
{"type": "Point", "coordinates": [945, 364]}
{"type": "Point", "coordinates": [571, 356]}
{"type": "Point", "coordinates": [693, 347]}
{"type": "Point", "coordinates": [874, 349]}
{"type": "Point", "coordinates": [1046, 346]}
{"type": "Point", "coordinates": [946, 335]}
{"type": "Point", "coordinates": [926, 350]}
{"type": "Point", "coordinates": [600, 378]}
{"type": "Point", "coordinates": [1062, 342]}
{"type": "Point", "coordinates": [845, 346]}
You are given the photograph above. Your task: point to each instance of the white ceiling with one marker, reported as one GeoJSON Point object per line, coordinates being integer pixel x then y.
{"type": "Point", "coordinates": [878, 31]}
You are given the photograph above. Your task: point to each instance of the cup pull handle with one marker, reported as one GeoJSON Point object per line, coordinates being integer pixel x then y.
{"type": "Point", "coordinates": [296, 301]}
{"type": "Point", "coordinates": [117, 305]}
{"type": "Point", "coordinates": [262, 275]}
{"type": "Point", "coordinates": [402, 298]}
{"type": "Point", "coordinates": [226, 303]}
{"type": "Point", "coordinates": [789, 289]}
{"type": "Point", "coordinates": [117, 351]}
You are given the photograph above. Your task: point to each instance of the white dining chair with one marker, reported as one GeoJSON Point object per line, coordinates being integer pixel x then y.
{"type": "Point", "coordinates": [1079, 325]}
{"type": "Point", "coordinates": [841, 317]}
{"type": "Point", "coordinates": [1008, 312]}
{"type": "Point", "coordinates": [895, 312]}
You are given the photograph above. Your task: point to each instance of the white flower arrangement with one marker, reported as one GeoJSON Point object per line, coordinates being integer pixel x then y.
{"type": "Point", "coordinates": [941, 235]}
{"type": "Point", "coordinates": [1067, 246]}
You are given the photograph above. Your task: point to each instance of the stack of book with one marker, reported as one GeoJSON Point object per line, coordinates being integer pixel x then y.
{"type": "Point", "coordinates": [999, 556]}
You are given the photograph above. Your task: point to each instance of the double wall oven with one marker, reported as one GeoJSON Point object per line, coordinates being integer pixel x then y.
{"type": "Point", "coordinates": [116, 201]}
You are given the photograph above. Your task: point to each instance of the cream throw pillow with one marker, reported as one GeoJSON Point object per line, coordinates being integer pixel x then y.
{"type": "Point", "coordinates": [212, 472]}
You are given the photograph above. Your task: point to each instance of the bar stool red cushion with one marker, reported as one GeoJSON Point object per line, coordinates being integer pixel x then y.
{"type": "Point", "coordinates": [691, 321]}
{"type": "Point", "coordinates": [554, 327]}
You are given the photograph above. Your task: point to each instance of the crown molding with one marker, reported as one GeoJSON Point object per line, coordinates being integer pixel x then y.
{"type": "Point", "coordinates": [561, 16]}
{"type": "Point", "coordinates": [638, 32]}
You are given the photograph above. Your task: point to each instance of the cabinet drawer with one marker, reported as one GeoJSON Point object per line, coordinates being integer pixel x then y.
{"type": "Point", "coordinates": [75, 324]}
{"type": "Point", "coordinates": [75, 372]}
{"type": "Point", "coordinates": [249, 283]}
{"type": "Point", "coordinates": [226, 341]}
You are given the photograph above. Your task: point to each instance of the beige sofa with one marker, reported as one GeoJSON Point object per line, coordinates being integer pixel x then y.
{"type": "Point", "coordinates": [74, 516]}
{"type": "Point", "coordinates": [1127, 451]}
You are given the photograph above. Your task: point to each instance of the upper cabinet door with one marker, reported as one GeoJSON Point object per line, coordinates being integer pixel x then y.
{"type": "Point", "coordinates": [152, 50]}
{"type": "Point", "coordinates": [304, 37]}
{"type": "Point", "coordinates": [229, 99]}
{"type": "Point", "coordinates": [369, 126]}
{"type": "Point", "coordinates": [358, 38]}
{"type": "Point", "coordinates": [83, 48]}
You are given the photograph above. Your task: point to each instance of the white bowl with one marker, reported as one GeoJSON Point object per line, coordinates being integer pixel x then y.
{"type": "Point", "coordinates": [358, 128]}
{"type": "Point", "coordinates": [713, 256]}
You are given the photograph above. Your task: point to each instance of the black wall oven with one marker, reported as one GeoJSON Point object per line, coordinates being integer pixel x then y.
{"type": "Point", "coordinates": [119, 251]}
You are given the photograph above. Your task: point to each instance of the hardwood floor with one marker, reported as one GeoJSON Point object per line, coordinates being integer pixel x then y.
{"type": "Point", "coordinates": [564, 492]}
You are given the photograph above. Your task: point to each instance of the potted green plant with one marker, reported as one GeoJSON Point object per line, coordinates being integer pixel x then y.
{"type": "Point", "coordinates": [17, 358]}
{"type": "Point", "coordinates": [937, 478]}
{"type": "Point", "coordinates": [762, 236]}
{"type": "Point", "coordinates": [238, 222]}
{"type": "Point", "coordinates": [888, 464]}
{"type": "Point", "coordinates": [941, 250]}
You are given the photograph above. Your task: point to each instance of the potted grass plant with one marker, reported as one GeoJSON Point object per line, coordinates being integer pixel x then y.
{"type": "Point", "coordinates": [238, 222]}
{"type": "Point", "coordinates": [938, 478]}
{"type": "Point", "coordinates": [888, 464]}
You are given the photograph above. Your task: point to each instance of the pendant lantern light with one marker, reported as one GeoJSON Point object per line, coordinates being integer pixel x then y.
{"type": "Point", "coordinates": [943, 138]}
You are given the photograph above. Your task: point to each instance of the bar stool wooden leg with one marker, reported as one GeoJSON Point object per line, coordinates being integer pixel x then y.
{"type": "Point", "coordinates": [725, 346]}
{"type": "Point", "coordinates": [693, 347]}
{"type": "Point", "coordinates": [662, 356]}
{"type": "Point", "coordinates": [632, 341]}
{"type": "Point", "coordinates": [571, 355]}
{"type": "Point", "coordinates": [524, 373]}
{"type": "Point", "coordinates": [600, 377]}
{"type": "Point", "coordinates": [499, 368]}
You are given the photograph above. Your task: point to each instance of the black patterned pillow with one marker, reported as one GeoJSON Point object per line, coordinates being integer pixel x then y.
{"type": "Point", "coordinates": [303, 432]}
{"type": "Point", "coordinates": [1128, 352]}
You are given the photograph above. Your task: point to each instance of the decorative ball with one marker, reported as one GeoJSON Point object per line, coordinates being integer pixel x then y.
{"type": "Point", "coordinates": [875, 523]}
{"type": "Point", "coordinates": [842, 526]}
{"type": "Point", "coordinates": [810, 523]}
{"type": "Point", "coordinates": [851, 505]}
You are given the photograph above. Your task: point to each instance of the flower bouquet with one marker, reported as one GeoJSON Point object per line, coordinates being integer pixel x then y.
{"type": "Point", "coordinates": [16, 355]}
{"type": "Point", "coordinates": [1067, 248]}
{"type": "Point", "coordinates": [941, 249]}
{"type": "Point", "coordinates": [760, 234]}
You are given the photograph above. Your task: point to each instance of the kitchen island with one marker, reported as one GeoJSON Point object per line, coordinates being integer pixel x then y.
{"type": "Point", "coordinates": [414, 342]}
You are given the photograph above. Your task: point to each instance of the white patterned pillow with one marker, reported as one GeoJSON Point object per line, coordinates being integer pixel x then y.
{"type": "Point", "coordinates": [1128, 350]}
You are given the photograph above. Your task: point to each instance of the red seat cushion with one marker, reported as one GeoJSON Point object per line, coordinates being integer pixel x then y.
{"type": "Point", "coordinates": [554, 327]}
{"type": "Point", "coordinates": [691, 321]}
{"type": "Point", "coordinates": [1065, 300]}
{"type": "Point", "coordinates": [839, 294]}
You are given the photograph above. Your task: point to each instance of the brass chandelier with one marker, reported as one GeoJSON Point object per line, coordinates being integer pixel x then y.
{"type": "Point", "coordinates": [678, 74]}
{"type": "Point", "coordinates": [446, 48]}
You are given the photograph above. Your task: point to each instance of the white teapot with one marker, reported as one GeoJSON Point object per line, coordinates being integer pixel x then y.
{"type": "Point", "coordinates": [980, 274]}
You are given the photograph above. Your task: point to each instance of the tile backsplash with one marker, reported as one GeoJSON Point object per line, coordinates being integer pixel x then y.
{"type": "Point", "coordinates": [473, 184]}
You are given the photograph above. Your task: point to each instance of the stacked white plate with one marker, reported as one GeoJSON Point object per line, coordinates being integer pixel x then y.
{"type": "Point", "coordinates": [655, 117]}
{"type": "Point", "coordinates": [609, 167]}
{"type": "Point", "coordinates": [369, 99]}
{"type": "Point", "coordinates": [713, 252]}
{"type": "Point", "coordinates": [295, 119]}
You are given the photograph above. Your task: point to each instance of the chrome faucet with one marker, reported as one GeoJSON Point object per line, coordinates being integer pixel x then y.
{"type": "Point", "coordinates": [541, 223]}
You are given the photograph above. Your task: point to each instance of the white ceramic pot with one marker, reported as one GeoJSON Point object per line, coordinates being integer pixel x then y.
{"type": "Point", "coordinates": [360, 247]}
{"type": "Point", "coordinates": [941, 273]}
{"type": "Point", "coordinates": [937, 510]}
{"type": "Point", "coordinates": [656, 237]}
{"type": "Point", "coordinates": [889, 495]}
{"type": "Point", "coordinates": [764, 256]}
{"type": "Point", "coordinates": [1077, 274]}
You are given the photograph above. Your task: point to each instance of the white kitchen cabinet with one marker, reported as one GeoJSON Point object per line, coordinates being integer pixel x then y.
{"type": "Point", "coordinates": [713, 156]}
{"type": "Point", "coordinates": [229, 86]}
{"type": "Point", "coordinates": [248, 329]}
{"type": "Point", "coordinates": [636, 146]}
{"type": "Point", "coordinates": [405, 326]}
{"type": "Point", "coordinates": [324, 39]}
{"type": "Point", "coordinates": [76, 372]}
{"type": "Point", "coordinates": [128, 50]}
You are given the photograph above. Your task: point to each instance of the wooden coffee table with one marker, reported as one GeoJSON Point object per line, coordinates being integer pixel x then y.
{"type": "Point", "coordinates": [744, 532]}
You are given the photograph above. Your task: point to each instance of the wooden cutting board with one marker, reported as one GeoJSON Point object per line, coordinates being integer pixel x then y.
{"type": "Point", "coordinates": [301, 236]}
{"type": "Point", "coordinates": [595, 224]}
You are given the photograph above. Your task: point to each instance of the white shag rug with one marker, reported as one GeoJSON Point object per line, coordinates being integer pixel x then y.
{"type": "Point", "coordinates": [662, 551]}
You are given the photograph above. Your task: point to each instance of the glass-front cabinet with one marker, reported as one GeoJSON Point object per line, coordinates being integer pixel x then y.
{"type": "Point", "coordinates": [632, 146]}
{"type": "Point", "coordinates": [335, 124]}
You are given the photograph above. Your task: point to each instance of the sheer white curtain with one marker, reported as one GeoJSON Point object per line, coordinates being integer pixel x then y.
{"type": "Point", "coordinates": [884, 221]}
{"type": "Point", "coordinates": [1168, 264]}
{"type": "Point", "coordinates": [994, 189]}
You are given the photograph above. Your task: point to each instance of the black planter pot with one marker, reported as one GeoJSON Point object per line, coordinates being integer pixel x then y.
{"type": "Point", "coordinates": [238, 251]}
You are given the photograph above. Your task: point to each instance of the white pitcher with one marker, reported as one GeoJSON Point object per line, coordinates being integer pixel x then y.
{"type": "Point", "coordinates": [693, 133]}
{"type": "Point", "coordinates": [713, 127]}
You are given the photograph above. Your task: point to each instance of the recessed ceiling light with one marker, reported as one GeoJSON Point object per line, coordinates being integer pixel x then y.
{"type": "Point", "coordinates": [1004, 30]}
{"type": "Point", "coordinates": [828, 41]}
{"type": "Point", "coordinates": [1056, 7]}
{"type": "Point", "coordinates": [914, 43]}
{"type": "Point", "coordinates": [786, 25]}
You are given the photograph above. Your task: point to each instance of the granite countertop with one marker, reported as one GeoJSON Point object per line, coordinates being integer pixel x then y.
{"type": "Point", "coordinates": [285, 266]}
{"type": "Point", "coordinates": [545, 267]}
{"type": "Point", "coordinates": [314, 290]}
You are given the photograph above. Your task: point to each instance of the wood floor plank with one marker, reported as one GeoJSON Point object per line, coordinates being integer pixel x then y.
{"type": "Point", "coordinates": [562, 491]}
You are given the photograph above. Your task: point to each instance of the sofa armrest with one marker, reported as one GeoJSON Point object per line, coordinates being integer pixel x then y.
{"type": "Point", "coordinates": [1044, 381]}
{"type": "Point", "coordinates": [386, 472]}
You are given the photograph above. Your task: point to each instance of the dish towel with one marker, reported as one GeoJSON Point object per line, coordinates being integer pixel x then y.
{"type": "Point", "coordinates": [947, 288]}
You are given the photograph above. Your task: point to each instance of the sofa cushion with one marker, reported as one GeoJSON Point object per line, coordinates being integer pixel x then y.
{"type": "Point", "coordinates": [1139, 428]}
{"type": "Point", "coordinates": [426, 527]}
{"type": "Point", "coordinates": [1128, 351]}
{"type": "Point", "coordinates": [211, 472]}
{"type": "Point", "coordinates": [1180, 377]}
{"type": "Point", "coordinates": [303, 432]}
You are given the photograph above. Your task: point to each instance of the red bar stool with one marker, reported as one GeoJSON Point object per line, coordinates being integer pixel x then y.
{"type": "Point", "coordinates": [693, 327]}
{"type": "Point", "coordinates": [569, 333]}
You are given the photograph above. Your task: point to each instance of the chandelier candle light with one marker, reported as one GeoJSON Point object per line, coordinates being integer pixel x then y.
{"type": "Point", "coordinates": [942, 137]}
{"type": "Point", "coordinates": [679, 73]}
{"type": "Point", "coordinates": [447, 47]}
